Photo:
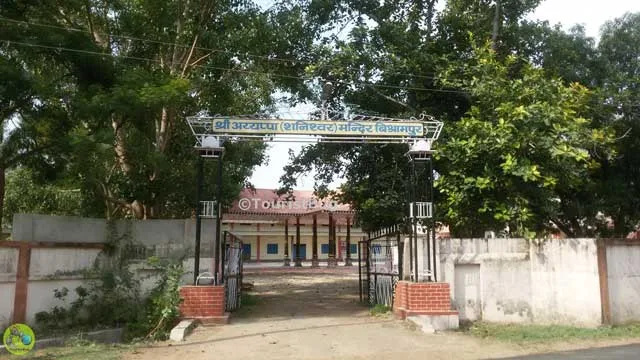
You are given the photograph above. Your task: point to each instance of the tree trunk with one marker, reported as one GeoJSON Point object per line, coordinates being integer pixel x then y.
{"type": "Point", "coordinates": [619, 226]}
{"type": "Point", "coordinates": [2, 184]}
{"type": "Point", "coordinates": [496, 26]}
{"type": "Point", "coordinates": [121, 153]}
{"type": "Point", "coordinates": [430, 12]}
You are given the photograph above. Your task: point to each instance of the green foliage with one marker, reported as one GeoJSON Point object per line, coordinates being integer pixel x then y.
{"type": "Point", "coordinates": [113, 297]}
{"type": "Point", "coordinates": [524, 144]}
{"type": "Point", "coordinates": [377, 178]}
{"type": "Point", "coordinates": [550, 333]}
{"type": "Point", "coordinates": [162, 305]}
{"type": "Point", "coordinates": [618, 97]}
{"type": "Point", "coordinates": [107, 119]}
{"type": "Point", "coordinates": [248, 303]}
{"type": "Point", "coordinates": [25, 195]}
{"type": "Point", "coordinates": [403, 48]}
{"type": "Point", "coordinates": [249, 299]}
{"type": "Point", "coordinates": [82, 349]}
{"type": "Point", "coordinates": [112, 101]}
{"type": "Point", "coordinates": [379, 309]}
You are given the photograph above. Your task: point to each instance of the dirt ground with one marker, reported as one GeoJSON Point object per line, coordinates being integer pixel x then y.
{"type": "Point", "coordinates": [316, 314]}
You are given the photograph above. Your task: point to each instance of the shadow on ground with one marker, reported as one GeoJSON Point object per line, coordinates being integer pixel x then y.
{"type": "Point", "coordinates": [301, 294]}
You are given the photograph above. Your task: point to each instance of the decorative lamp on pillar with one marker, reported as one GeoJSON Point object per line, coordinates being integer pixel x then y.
{"type": "Point", "coordinates": [208, 147]}
{"type": "Point", "coordinates": [420, 150]}
{"type": "Point", "coordinates": [421, 211]}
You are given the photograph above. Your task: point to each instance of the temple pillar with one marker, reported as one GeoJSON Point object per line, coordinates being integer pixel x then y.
{"type": "Point", "coordinates": [332, 261]}
{"type": "Point", "coordinates": [298, 261]}
{"type": "Point", "coordinates": [287, 260]}
{"type": "Point", "coordinates": [347, 261]}
{"type": "Point", "coordinates": [314, 245]}
{"type": "Point", "coordinates": [258, 242]}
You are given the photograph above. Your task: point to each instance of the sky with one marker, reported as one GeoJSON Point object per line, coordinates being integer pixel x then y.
{"type": "Point", "coordinates": [592, 14]}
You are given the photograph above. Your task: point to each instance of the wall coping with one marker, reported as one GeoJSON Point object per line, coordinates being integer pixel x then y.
{"type": "Point", "coordinates": [201, 286]}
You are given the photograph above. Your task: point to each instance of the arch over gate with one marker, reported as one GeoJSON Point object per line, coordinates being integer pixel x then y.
{"type": "Point", "coordinates": [320, 126]}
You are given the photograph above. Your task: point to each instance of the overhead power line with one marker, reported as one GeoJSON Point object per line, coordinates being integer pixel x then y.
{"type": "Point", "coordinates": [187, 46]}
{"type": "Point", "coordinates": [60, 48]}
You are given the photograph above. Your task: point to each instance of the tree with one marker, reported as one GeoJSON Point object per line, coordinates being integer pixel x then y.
{"type": "Point", "coordinates": [619, 97]}
{"type": "Point", "coordinates": [129, 72]}
{"type": "Point", "coordinates": [525, 148]}
{"type": "Point", "coordinates": [26, 195]}
{"type": "Point", "coordinates": [389, 65]}
{"type": "Point", "coordinates": [15, 92]}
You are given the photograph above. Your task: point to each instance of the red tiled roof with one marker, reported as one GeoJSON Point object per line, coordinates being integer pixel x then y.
{"type": "Point", "coordinates": [267, 202]}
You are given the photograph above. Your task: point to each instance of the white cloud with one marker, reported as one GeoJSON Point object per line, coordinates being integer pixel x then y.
{"type": "Point", "coordinates": [590, 13]}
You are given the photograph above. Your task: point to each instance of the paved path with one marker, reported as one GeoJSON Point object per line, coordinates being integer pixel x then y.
{"type": "Point", "coordinates": [626, 352]}
{"type": "Point", "coordinates": [313, 314]}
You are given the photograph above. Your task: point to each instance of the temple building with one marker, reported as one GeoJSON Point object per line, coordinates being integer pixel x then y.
{"type": "Point", "coordinates": [271, 226]}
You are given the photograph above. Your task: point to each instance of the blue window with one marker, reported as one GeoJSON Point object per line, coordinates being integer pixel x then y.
{"type": "Point", "coordinates": [354, 248]}
{"type": "Point", "coordinates": [376, 249]}
{"type": "Point", "coordinates": [272, 248]}
{"type": "Point", "coordinates": [324, 248]}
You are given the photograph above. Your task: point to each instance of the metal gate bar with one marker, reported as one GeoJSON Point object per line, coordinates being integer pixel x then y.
{"type": "Point", "coordinates": [363, 270]}
{"type": "Point", "coordinates": [231, 274]}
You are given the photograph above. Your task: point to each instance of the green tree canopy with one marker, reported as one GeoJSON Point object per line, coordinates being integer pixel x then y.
{"type": "Point", "coordinates": [119, 78]}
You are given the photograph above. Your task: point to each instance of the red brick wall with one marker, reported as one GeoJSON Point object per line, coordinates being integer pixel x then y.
{"type": "Point", "coordinates": [422, 298]}
{"type": "Point", "coordinates": [400, 299]}
{"type": "Point", "coordinates": [202, 301]}
{"type": "Point", "coordinates": [429, 296]}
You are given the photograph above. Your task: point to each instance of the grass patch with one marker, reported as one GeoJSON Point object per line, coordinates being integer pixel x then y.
{"type": "Point", "coordinates": [248, 299]}
{"type": "Point", "coordinates": [82, 351]}
{"type": "Point", "coordinates": [248, 302]}
{"type": "Point", "coordinates": [548, 333]}
{"type": "Point", "coordinates": [379, 309]}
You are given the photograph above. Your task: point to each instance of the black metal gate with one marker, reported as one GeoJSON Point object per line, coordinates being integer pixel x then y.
{"type": "Point", "coordinates": [232, 270]}
{"type": "Point", "coordinates": [363, 270]}
{"type": "Point", "coordinates": [380, 267]}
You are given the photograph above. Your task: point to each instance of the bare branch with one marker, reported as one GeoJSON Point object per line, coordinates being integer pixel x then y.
{"type": "Point", "coordinates": [625, 135]}
{"type": "Point", "coordinates": [200, 59]}
{"type": "Point", "coordinates": [186, 63]}
{"type": "Point", "coordinates": [392, 99]}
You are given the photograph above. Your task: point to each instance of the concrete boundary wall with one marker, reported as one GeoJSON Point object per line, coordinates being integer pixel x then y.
{"type": "Point", "coordinates": [621, 281]}
{"type": "Point", "coordinates": [516, 280]}
{"type": "Point", "coordinates": [160, 237]}
{"type": "Point", "coordinates": [31, 271]}
{"type": "Point", "coordinates": [51, 252]}
{"type": "Point", "coordinates": [584, 282]}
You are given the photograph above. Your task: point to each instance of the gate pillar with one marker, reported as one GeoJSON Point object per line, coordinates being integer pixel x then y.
{"type": "Point", "coordinates": [204, 303]}
{"type": "Point", "coordinates": [425, 300]}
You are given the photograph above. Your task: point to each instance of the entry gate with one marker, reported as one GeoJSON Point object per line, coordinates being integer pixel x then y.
{"type": "Point", "coordinates": [232, 261]}
{"type": "Point", "coordinates": [380, 266]}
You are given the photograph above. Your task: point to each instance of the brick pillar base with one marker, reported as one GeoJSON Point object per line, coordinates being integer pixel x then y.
{"type": "Point", "coordinates": [204, 303]}
{"type": "Point", "coordinates": [422, 299]}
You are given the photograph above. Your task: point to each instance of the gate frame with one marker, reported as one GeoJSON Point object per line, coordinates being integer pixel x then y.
{"type": "Point", "coordinates": [367, 283]}
{"type": "Point", "coordinates": [211, 132]}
